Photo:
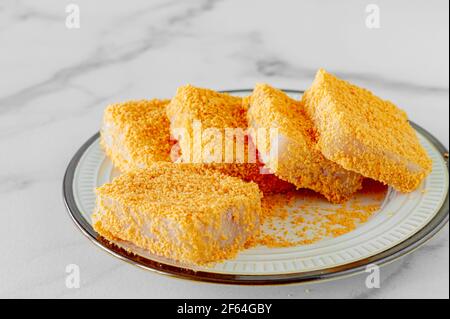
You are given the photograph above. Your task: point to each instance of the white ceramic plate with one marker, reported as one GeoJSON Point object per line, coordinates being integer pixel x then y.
{"type": "Point", "coordinates": [403, 222]}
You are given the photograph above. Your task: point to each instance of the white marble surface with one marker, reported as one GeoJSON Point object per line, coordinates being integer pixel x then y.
{"type": "Point", "coordinates": [55, 82]}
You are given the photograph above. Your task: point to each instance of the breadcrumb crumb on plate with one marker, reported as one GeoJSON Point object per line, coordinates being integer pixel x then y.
{"type": "Point", "coordinates": [303, 218]}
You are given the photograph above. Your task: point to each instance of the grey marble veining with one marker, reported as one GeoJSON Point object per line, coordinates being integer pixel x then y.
{"type": "Point", "coordinates": [55, 83]}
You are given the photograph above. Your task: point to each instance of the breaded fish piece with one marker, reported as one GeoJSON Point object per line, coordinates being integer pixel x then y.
{"type": "Point", "coordinates": [298, 161]}
{"type": "Point", "coordinates": [135, 134]}
{"type": "Point", "coordinates": [221, 112]}
{"type": "Point", "coordinates": [180, 212]}
{"type": "Point", "coordinates": [366, 134]}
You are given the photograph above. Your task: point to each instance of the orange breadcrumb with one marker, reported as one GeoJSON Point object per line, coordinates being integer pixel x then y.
{"type": "Point", "coordinates": [135, 134]}
{"type": "Point", "coordinates": [303, 218]}
{"type": "Point", "coordinates": [299, 161]}
{"type": "Point", "coordinates": [179, 211]}
{"type": "Point", "coordinates": [366, 134]}
{"type": "Point", "coordinates": [219, 111]}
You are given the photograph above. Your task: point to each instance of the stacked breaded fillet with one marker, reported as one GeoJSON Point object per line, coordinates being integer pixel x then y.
{"type": "Point", "coordinates": [205, 205]}
{"type": "Point", "coordinates": [297, 159]}
{"type": "Point", "coordinates": [179, 211]}
{"type": "Point", "coordinates": [365, 134]}
{"type": "Point", "coordinates": [220, 115]}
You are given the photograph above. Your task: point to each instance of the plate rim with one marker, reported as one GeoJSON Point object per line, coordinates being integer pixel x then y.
{"type": "Point", "coordinates": [405, 247]}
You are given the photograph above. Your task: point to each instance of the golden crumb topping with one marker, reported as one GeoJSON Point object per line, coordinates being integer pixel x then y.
{"type": "Point", "coordinates": [220, 111]}
{"type": "Point", "coordinates": [207, 110]}
{"type": "Point", "coordinates": [186, 188]}
{"type": "Point", "coordinates": [180, 211]}
{"type": "Point", "coordinates": [298, 161]}
{"type": "Point", "coordinates": [267, 183]}
{"type": "Point", "coordinates": [136, 134]}
{"type": "Point", "coordinates": [213, 109]}
{"type": "Point", "coordinates": [288, 115]}
{"type": "Point", "coordinates": [365, 133]}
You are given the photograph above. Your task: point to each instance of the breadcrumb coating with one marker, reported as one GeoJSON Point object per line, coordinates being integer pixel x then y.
{"type": "Point", "coordinates": [298, 161]}
{"type": "Point", "coordinates": [219, 111]}
{"type": "Point", "coordinates": [135, 134]}
{"type": "Point", "coordinates": [212, 108]}
{"type": "Point", "coordinates": [179, 211]}
{"type": "Point", "coordinates": [366, 134]}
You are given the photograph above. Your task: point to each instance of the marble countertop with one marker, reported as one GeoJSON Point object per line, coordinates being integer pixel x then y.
{"type": "Point", "coordinates": [55, 82]}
